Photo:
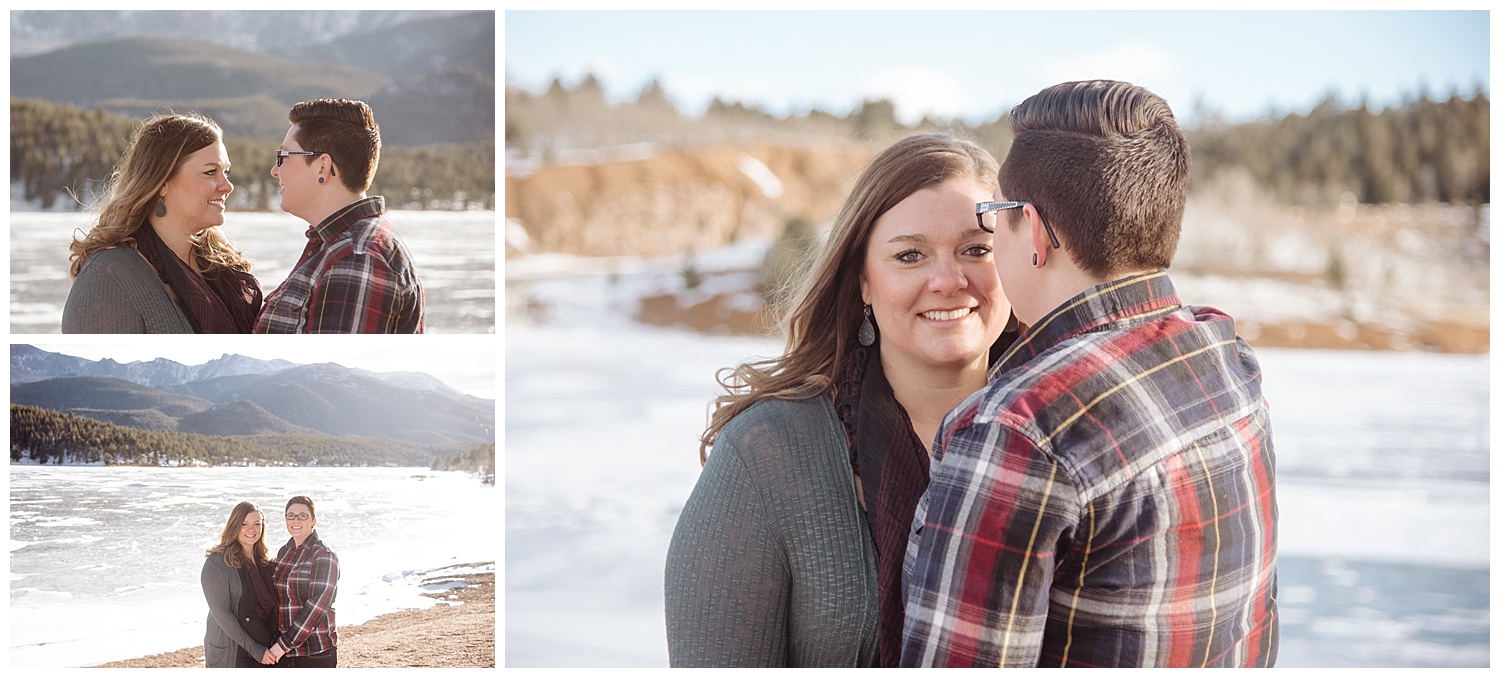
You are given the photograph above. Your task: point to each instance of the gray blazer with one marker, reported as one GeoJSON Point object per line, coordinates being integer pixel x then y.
{"type": "Point", "coordinates": [222, 589]}
{"type": "Point", "coordinates": [118, 292]}
{"type": "Point", "coordinates": [771, 563]}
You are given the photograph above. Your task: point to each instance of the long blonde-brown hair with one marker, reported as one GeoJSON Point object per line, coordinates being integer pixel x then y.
{"type": "Point", "coordinates": [155, 155]}
{"type": "Point", "coordinates": [229, 539]}
{"type": "Point", "coordinates": [822, 316]}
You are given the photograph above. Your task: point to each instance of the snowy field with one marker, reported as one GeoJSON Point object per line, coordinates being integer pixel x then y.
{"type": "Point", "coordinates": [1383, 481]}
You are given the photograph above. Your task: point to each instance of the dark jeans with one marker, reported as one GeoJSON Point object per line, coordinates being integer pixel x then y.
{"type": "Point", "coordinates": [321, 660]}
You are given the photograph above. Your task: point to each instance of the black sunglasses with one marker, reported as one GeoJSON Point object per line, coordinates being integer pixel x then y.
{"type": "Point", "coordinates": [984, 208]}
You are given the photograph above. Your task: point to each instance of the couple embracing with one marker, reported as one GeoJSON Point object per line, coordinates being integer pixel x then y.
{"type": "Point", "coordinates": [156, 260]}
{"type": "Point", "coordinates": [270, 612]}
{"type": "Point", "coordinates": [996, 437]}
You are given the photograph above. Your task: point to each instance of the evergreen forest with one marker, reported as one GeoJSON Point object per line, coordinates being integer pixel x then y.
{"type": "Point", "coordinates": [1422, 150]}
{"type": "Point", "coordinates": [479, 461]}
{"type": "Point", "coordinates": [61, 153]}
{"type": "Point", "coordinates": [49, 437]}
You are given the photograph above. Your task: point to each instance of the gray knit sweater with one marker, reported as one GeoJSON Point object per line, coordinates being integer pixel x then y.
{"type": "Point", "coordinates": [118, 292]}
{"type": "Point", "coordinates": [771, 563]}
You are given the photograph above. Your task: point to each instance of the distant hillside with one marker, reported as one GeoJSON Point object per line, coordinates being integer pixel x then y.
{"type": "Point", "coordinates": [103, 393]}
{"type": "Point", "coordinates": [36, 31]}
{"type": "Point", "coordinates": [405, 109]}
{"type": "Point", "coordinates": [461, 41]}
{"type": "Point", "coordinates": [44, 436]}
{"type": "Point", "coordinates": [180, 70]}
{"type": "Point", "coordinates": [338, 401]}
{"type": "Point", "coordinates": [259, 397]}
{"type": "Point", "coordinates": [238, 418]}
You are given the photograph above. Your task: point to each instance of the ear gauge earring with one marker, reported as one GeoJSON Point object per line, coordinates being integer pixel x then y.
{"type": "Point", "coordinates": [161, 206]}
{"type": "Point", "coordinates": [866, 329]}
{"type": "Point", "coordinates": [320, 180]}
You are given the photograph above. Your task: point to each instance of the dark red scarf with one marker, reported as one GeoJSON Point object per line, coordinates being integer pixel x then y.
{"type": "Point", "coordinates": [225, 301]}
{"type": "Point", "coordinates": [892, 466]}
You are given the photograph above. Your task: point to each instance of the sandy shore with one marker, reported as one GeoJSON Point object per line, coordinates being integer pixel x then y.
{"type": "Point", "coordinates": [443, 636]}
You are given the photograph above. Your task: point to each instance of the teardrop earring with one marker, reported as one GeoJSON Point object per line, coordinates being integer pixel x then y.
{"type": "Point", "coordinates": [161, 206]}
{"type": "Point", "coordinates": [866, 329]}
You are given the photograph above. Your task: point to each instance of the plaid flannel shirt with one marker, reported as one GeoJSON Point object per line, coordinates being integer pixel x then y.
{"type": "Point", "coordinates": [1107, 500]}
{"type": "Point", "coordinates": [354, 276]}
{"type": "Point", "coordinates": [307, 581]}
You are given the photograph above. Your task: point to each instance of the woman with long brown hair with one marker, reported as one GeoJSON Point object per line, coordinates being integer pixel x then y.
{"type": "Point", "coordinates": [237, 583]}
{"type": "Point", "coordinates": [156, 261]}
{"type": "Point", "coordinates": [789, 551]}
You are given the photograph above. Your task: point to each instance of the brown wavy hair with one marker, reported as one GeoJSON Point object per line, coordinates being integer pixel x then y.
{"type": "Point", "coordinates": [1106, 164]}
{"type": "Point", "coordinates": [822, 315]}
{"type": "Point", "coordinates": [155, 155]}
{"type": "Point", "coordinates": [229, 539]}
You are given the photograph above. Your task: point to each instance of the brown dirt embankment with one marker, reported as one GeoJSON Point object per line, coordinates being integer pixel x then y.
{"type": "Point", "coordinates": [680, 200]}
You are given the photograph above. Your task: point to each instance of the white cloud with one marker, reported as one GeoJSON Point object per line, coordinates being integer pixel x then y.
{"type": "Point", "coordinates": [917, 92]}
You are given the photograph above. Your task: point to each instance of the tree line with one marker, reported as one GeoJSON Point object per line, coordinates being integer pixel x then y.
{"type": "Point", "coordinates": [65, 153]}
{"type": "Point", "coordinates": [1418, 151]}
{"type": "Point", "coordinates": [479, 461]}
{"type": "Point", "coordinates": [50, 437]}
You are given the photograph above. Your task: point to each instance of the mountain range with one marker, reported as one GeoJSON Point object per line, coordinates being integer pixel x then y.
{"type": "Point", "coordinates": [235, 395]}
{"type": "Point", "coordinates": [246, 68]}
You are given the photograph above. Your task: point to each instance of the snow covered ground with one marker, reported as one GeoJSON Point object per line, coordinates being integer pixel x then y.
{"type": "Point", "coordinates": [1383, 479]}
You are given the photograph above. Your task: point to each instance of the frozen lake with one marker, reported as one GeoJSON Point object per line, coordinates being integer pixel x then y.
{"type": "Point", "coordinates": [105, 561]}
{"type": "Point", "coordinates": [1383, 489]}
{"type": "Point", "coordinates": [454, 254]}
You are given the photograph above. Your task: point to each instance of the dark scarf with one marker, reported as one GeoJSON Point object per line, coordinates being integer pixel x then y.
{"type": "Point", "coordinates": [220, 302]}
{"type": "Point", "coordinates": [892, 466]}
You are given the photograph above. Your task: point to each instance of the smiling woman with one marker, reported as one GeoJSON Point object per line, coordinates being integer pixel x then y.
{"type": "Point", "coordinates": [241, 597]}
{"type": "Point", "coordinates": [789, 551]}
{"type": "Point", "coordinates": [156, 261]}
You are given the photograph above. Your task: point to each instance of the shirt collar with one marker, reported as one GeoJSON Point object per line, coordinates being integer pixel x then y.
{"type": "Point", "coordinates": [1127, 301]}
{"type": "Point", "coordinates": [339, 221]}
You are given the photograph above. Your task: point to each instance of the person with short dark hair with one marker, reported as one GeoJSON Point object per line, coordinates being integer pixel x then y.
{"type": "Point", "coordinates": [355, 275]}
{"type": "Point", "coordinates": [307, 582]}
{"type": "Point", "coordinates": [1109, 498]}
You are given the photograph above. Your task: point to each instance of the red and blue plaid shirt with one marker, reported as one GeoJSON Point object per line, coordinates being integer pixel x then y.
{"type": "Point", "coordinates": [307, 581]}
{"type": "Point", "coordinates": [1107, 500]}
{"type": "Point", "coordinates": [354, 277]}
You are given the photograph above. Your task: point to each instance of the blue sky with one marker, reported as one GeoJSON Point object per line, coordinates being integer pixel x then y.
{"type": "Point", "coordinates": [974, 65]}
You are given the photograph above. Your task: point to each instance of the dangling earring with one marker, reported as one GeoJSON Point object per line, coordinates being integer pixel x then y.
{"type": "Point", "coordinates": [866, 330]}
{"type": "Point", "coordinates": [161, 206]}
